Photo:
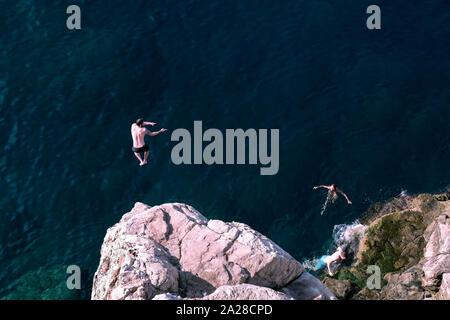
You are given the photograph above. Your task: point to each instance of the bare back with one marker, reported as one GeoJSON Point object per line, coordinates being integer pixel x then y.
{"type": "Point", "coordinates": [138, 135]}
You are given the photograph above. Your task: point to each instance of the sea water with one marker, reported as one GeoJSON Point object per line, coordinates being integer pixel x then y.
{"type": "Point", "coordinates": [365, 109]}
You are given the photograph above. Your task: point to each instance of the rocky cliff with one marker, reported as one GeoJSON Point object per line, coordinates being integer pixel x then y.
{"type": "Point", "coordinates": [408, 238]}
{"type": "Point", "coordinates": [172, 252]}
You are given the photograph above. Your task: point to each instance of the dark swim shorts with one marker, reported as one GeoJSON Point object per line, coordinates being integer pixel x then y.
{"type": "Point", "coordinates": [144, 148]}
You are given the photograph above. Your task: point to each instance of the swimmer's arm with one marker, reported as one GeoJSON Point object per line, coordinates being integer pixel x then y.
{"type": "Point", "coordinates": [321, 186]}
{"type": "Point", "coordinates": [345, 196]}
{"type": "Point", "coordinates": [149, 123]}
{"type": "Point", "coordinates": [151, 134]}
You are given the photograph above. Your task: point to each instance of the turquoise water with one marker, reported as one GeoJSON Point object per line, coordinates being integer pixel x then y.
{"type": "Point", "coordinates": [368, 110]}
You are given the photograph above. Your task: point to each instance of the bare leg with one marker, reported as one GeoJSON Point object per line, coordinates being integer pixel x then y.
{"type": "Point", "coordinates": [329, 269]}
{"type": "Point", "coordinates": [145, 158]}
{"type": "Point", "coordinates": [325, 205]}
{"type": "Point", "coordinates": [138, 155]}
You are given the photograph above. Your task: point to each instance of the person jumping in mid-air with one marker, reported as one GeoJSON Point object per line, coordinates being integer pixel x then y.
{"type": "Point", "coordinates": [332, 195]}
{"type": "Point", "coordinates": [138, 132]}
{"type": "Point", "coordinates": [328, 260]}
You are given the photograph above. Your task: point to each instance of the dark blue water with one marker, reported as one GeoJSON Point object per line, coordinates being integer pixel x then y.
{"type": "Point", "coordinates": [368, 110]}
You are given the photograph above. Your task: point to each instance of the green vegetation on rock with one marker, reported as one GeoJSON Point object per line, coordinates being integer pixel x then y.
{"type": "Point", "coordinates": [356, 276]}
{"type": "Point", "coordinates": [393, 241]}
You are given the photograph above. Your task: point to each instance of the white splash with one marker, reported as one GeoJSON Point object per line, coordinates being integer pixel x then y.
{"type": "Point", "coordinates": [346, 236]}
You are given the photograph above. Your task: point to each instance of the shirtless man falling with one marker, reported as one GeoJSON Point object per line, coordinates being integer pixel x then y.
{"type": "Point", "coordinates": [138, 132]}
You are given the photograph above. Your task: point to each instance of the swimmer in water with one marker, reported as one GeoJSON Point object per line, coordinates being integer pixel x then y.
{"type": "Point", "coordinates": [332, 195]}
{"type": "Point", "coordinates": [328, 260]}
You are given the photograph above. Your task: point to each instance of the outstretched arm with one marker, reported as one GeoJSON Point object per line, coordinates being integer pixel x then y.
{"type": "Point", "coordinates": [149, 123]}
{"type": "Point", "coordinates": [321, 186]}
{"type": "Point", "coordinates": [151, 134]}
{"type": "Point", "coordinates": [345, 196]}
